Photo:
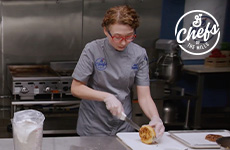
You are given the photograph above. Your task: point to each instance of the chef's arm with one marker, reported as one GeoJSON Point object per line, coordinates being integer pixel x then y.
{"type": "Point", "coordinates": [81, 90]}
{"type": "Point", "coordinates": [146, 102]}
{"type": "Point", "coordinates": [148, 106]}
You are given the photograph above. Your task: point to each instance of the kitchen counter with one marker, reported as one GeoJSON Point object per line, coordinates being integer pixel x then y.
{"type": "Point", "coordinates": [73, 143]}
{"type": "Point", "coordinates": [205, 69]}
{"type": "Point", "coordinates": [103, 143]}
{"type": "Point", "coordinates": [201, 71]}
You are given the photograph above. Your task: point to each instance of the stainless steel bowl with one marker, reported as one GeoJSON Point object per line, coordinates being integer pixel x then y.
{"type": "Point", "coordinates": [224, 142]}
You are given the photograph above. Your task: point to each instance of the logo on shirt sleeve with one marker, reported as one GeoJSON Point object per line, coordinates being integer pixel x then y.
{"type": "Point", "coordinates": [100, 64]}
{"type": "Point", "coordinates": [135, 67]}
{"type": "Point", "coordinates": [146, 58]}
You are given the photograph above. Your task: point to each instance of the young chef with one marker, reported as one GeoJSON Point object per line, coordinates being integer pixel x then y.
{"type": "Point", "coordinates": [105, 73]}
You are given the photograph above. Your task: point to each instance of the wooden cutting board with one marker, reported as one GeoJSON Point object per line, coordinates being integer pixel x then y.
{"type": "Point", "coordinates": [132, 140]}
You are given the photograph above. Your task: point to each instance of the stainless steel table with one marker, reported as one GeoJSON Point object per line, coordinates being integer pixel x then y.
{"type": "Point", "coordinates": [73, 143]}
{"type": "Point", "coordinates": [123, 141]}
{"type": "Point", "coordinates": [200, 71]}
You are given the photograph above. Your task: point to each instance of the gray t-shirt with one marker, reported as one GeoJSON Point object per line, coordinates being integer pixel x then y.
{"type": "Point", "coordinates": [105, 69]}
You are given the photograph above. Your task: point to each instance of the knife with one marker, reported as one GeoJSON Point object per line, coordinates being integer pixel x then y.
{"type": "Point", "coordinates": [133, 124]}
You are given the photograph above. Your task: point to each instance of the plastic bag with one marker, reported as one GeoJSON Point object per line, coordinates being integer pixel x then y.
{"type": "Point", "coordinates": [28, 129]}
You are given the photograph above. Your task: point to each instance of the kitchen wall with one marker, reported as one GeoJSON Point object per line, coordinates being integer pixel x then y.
{"type": "Point", "coordinates": [40, 31]}
{"type": "Point", "coordinates": [36, 32]}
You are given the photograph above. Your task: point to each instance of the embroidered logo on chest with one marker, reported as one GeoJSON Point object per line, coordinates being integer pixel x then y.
{"type": "Point", "coordinates": [100, 64]}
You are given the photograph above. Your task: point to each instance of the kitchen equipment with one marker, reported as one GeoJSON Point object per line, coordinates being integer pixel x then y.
{"type": "Point", "coordinates": [46, 88]}
{"type": "Point", "coordinates": [27, 81]}
{"type": "Point", "coordinates": [224, 143]}
{"type": "Point", "coordinates": [64, 69]}
{"type": "Point", "coordinates": [167, 71]}
{"type": "Point", "coordinates": [125, 118]}
{"type": "Point", "coordinates": [170, 112]}
{"type": "Point", "coordinates": [196, 138]}
{"type": "Point", "coordinates": [28, 130]}
{"type": "Point", "coordinates": [169, 65]}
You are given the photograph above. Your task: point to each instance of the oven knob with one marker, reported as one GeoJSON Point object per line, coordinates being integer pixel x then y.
{"type": "Point", "coordinates": [24, 90]}
{"type": "Point", "coordinates": [47, 89]}
{"type": "Point", "coordinates": [65, 88]}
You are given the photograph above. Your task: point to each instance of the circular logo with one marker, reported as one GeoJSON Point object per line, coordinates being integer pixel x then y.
{"type": "Point", "coordinates": [200, 33]}
{"type": "Point", "coordinates": [101, 64]}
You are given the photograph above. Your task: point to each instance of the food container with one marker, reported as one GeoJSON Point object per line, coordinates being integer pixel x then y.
{"type": "Point", "coordinates": [224, 142]}
{"type": "Point", "coordinates": [28, 129]}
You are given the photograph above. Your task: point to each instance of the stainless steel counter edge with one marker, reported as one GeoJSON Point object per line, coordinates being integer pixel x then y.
{"type": "Point", "coordinates": [74, 143]}
{"type": "Point", "coordinates": [43, 102]}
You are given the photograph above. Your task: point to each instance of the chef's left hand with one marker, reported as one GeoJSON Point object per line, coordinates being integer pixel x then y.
{"type": "Point", "coordinates": [157, 124]}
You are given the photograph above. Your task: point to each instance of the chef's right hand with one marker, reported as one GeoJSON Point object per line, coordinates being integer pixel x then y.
{"type": "Point", "coordinates": [113, 105]}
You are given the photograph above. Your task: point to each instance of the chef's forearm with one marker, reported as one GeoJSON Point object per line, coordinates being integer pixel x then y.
{"type": "Point", "coordinates": [146, 102]}
{"type": "Point", "coordinates": [80, 90]}
{"type": "Point", "coordinates": [149, 108]}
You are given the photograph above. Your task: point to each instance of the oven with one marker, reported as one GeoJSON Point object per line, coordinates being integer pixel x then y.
{"type": "Point", "coordinates": [46, 88]}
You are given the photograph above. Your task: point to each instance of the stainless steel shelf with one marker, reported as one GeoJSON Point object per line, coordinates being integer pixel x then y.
{"type": "Point", "coordinates": [37, 102]}
{"type": "Point", "coordinates": [48, 132]}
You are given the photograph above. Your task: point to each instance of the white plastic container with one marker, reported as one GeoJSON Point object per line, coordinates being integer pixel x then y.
{"type": "Point", "coordinates": [28, 130]}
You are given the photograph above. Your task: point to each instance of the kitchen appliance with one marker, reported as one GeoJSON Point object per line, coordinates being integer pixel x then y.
{"type": "Point", "coordinates": [169, 65]}
{"type": "Point", "coordinates": [168, 70]}
{"type": "Point", "coordinates": [170, 112]}
{"type": "Point", "coordinates": [27, 81]}
{"type": "Point", "coordinates": [64, 71]}
{"type": "Point", "coordinates": [46, 88]}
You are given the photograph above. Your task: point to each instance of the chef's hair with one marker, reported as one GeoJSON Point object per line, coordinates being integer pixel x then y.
{"type": "Point", "coordinates": [123, 14]}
